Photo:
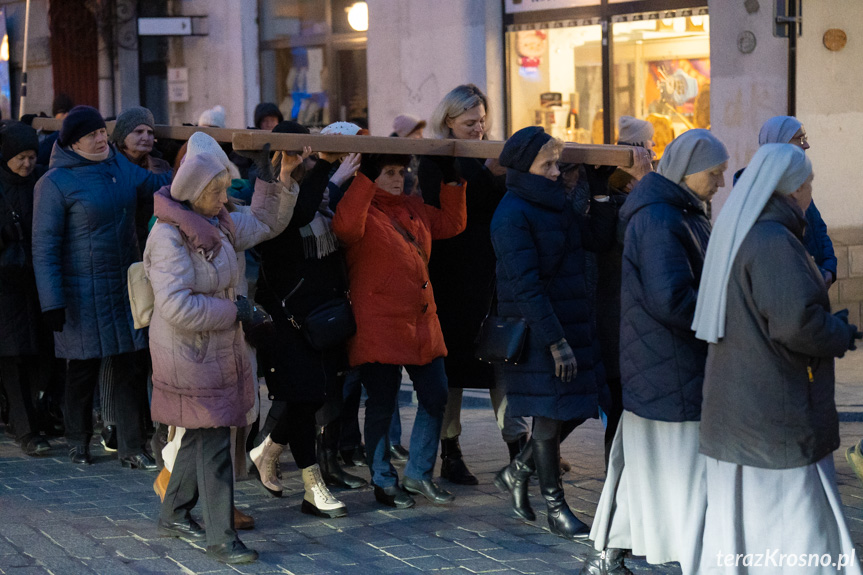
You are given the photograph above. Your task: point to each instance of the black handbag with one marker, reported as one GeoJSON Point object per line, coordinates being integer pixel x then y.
{"type": "Point", "coordinates": [501, 339]}
{"type": "Point", "coordinates": [329, 324]}
{"type": "Point", "coordinates": [326, 326]}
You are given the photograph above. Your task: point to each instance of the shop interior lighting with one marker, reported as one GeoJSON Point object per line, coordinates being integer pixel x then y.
{"type": "Point", "coordinates": [358, 16]}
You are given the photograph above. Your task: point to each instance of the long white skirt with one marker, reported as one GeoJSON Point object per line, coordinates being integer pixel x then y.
{"type": "Point", "coordinates": [654, 498]}
{"type": "Point", "coordinates": [754, 516]}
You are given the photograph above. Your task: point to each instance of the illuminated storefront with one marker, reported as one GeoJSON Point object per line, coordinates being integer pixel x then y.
{"type": "Point", "coordinates": [313, 59]}
{"type": "Point", "coordinates": [576, 66]}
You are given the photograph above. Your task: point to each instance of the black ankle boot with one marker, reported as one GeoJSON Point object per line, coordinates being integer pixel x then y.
{"type": "Point", "coordinates": [607, 562]}
{"type": "Point", "coordinates": [328, 459]}
{"type": "Point", "coordinates": [516, 446]}
{"type": "Point", "coordinates": [452, 466]}
{"type": "Point", "coordinates": [561, 521]}
{"type": "Point", "coordinates": [515, 478]}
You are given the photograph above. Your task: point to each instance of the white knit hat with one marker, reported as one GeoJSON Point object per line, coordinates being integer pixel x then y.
{"type": "Point", "coordinates": [194, 175]}
{"type": "Point", "coordinates": [634, 131]}
{"type": "Point", "coordinates": [343, 128]}
{"type": "Point", "coordinates": [201, 143]}
{"type": "Point", "coordinates": [213, 118]}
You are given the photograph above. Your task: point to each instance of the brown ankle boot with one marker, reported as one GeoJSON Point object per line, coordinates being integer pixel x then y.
{"type": "Point", "coordinates": [243, 521]}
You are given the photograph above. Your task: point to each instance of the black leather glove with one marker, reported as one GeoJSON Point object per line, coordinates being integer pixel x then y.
{"type": "Point", "coordinates": [597, 178]}
{"type": "Point", "coordinates": [446, 165]}
{"type": "Point", "coordinates": [55, 318]}
{"type": "Point", "coordinates": [257, 323]}
{"type": "Point", "coordinates": [262, 162]}
{"type": "Point", "coordinates": [842, 314]}
{"type": "Point", "coordinates": [369, 166]}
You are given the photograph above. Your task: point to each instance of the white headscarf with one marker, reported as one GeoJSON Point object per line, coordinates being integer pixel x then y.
{"type": "Point", "coordinates": [201, 143]}
{"type": "Point", "coordinates": [778, 130]}
{"type": "Point", "coordinates": [775, 167]}
{"type": "Point", "coordinates": [691, 152]}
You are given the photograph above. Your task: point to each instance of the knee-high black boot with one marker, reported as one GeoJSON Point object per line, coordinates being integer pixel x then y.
{"type": "Point", "coordinates": [515, 478]}
{"type": "Point", "coordinates": [561, 521]}
{"type": "Point", "coordinates": [328, 459]}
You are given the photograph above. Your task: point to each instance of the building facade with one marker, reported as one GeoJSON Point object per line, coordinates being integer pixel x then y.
{"type": "Point", "coordinates": [573, 66]}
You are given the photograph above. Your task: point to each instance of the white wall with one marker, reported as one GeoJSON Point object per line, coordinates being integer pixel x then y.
{"type": "Point", "coordinates": [223, 66]}
{"type": "Point", "coordinates": [419, 51]}
{"type": "Point", "coordinates": [830, 105]}
{"type": "Point", "coordinates": [745, 89]}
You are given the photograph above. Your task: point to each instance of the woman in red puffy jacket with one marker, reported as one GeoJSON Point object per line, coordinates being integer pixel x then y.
{"type": "Point", "coordinates": [388, 238]}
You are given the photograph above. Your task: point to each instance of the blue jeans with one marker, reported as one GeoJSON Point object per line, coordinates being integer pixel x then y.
{"type": "Point", "coordinates": [382, 382]}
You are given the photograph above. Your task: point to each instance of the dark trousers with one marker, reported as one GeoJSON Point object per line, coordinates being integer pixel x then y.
{"type": "Point", "coordinates": [19, 377]}
{"type": "Point", "coordinates": [382, 383]}
{"type": "Point", "coordinates": [350, 436]}
{"type": "Point", "coordinates": [203, 466]}
{"type": "Point", "coordinates": [129, 397]}
{"type": "Point", "coordinates": [296, 428]}
{"type": "Point", "coordinates": [545, 428]}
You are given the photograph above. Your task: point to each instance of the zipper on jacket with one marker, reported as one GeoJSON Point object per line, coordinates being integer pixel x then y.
{"type": "Point", "coordinates": [811, 375]}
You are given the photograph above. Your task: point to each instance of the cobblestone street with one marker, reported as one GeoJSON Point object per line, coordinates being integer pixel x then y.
{"type": "Point", "coordinates": [67, 520]}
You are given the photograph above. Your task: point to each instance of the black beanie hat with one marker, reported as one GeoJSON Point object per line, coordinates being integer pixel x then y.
{"type": "Point", "coordinates": [265, 109]}
{"type": "Point", "coordinates": [521, 149]}
{"type": "Point", "coordinates": [80, 121]}
{"type": "Point", "coordinates": [371, 165]}
{"type": "Point", "coordinates": [290, 127]}
{"type": "Point", "coordinates": [16, 138]}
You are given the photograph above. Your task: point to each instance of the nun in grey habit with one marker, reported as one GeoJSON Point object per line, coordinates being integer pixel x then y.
{"type": "Point", "coordinates": [653, 501]}
{"type": "Point", "coordinates": [769, 424]}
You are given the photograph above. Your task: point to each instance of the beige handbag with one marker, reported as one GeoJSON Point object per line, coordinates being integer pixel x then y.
{"type": "Point", "coordinates": [141, 297]}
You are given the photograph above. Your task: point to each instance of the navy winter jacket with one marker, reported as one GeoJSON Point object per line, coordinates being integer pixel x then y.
{"type": "Point", "coordinates": [661, 362]}
{"type": "Point", "coordinates": [83, 243]}
{"type": "Point", "coordinates": [536, 231]}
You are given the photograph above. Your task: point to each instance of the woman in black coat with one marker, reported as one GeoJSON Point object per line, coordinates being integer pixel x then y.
{"type": "Point", "coordinates": [769, 424]}
{"type": "Point", "coordinates": [301, 269]}
{"type": "Point", "coordinates": [462, 271]}
{"type": "Point", "coordinates": [539, 239]}
{"type": "Point", "coordinates": [25, 347]}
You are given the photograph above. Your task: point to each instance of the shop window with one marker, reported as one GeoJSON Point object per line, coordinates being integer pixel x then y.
{"type": "Point", "coordinates": [555, 80]}
{"type": "Point", "coordinates": [299, 85]}
{"type": "Point", "coordinates": [661, 74]}
{"type": "Point", "coordinates": [294, 18]}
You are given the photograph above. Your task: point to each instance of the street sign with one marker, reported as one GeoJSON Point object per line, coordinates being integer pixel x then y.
{"type": "Point", "coordinates": [173, 26]}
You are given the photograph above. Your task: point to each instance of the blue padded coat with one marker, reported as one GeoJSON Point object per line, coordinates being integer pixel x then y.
{"type": "Point", "coordinates": [661, 362]}
{"type": "Point", "coordinates": [83, 243]}
{"type": "Point", "coordinates": [535, 231]}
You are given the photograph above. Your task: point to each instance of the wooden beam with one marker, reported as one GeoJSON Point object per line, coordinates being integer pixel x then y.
{"type": "Point", "coordinates": [223, 135]}
{"type": "Point", "coordinates": [255, 140]}
{"type": "Point", "coordinates": [572, 153]}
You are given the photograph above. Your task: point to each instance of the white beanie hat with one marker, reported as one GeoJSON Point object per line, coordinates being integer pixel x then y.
{"type": "Point", "coordinates": [201, 143]}
{"type": "Point", "coordinates": [343, 128]}
{"type": "Point", "coordinates": [194, 175]}
{"type": "Point", "coordinates": [214, 117]}
{"type": "Point", "coordinates": [634, 131]}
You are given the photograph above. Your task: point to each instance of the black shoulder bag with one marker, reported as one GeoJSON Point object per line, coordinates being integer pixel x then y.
{"type": "Point", "coordinates": [501, 339]}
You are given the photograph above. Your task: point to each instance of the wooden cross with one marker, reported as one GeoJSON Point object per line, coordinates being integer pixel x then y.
{"type": "Point", "coordinates": [256, 139]}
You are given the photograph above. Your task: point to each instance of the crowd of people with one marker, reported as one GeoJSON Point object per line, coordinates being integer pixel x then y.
{"type": "Point", "coordinates": [708, 350]}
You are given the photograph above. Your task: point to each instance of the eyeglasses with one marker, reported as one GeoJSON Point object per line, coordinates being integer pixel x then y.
{"type": "Point", "coordinates": [802, 140]}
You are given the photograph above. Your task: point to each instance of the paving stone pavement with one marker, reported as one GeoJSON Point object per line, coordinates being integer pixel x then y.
{"type": "Point", "coordinates": [59, 518]}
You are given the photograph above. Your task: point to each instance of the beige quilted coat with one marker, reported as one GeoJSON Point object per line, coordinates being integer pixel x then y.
{"type": "Point", "coordinates": [202, 375]}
